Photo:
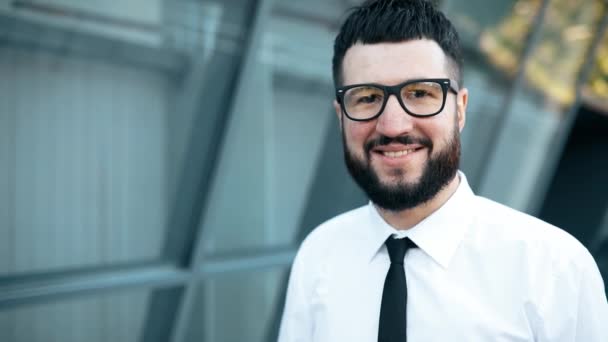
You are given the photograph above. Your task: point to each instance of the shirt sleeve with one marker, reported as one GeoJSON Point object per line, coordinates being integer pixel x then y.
{"type": "Point", "coordinates": [575, 307]}
{"type": "Point", "coordinates": [592, 317]}
{"type": "Point", "coordinates": [297, 323]}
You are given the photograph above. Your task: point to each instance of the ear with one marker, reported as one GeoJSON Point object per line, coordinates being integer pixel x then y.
{"type": "Point", "coordinates": [461, 107]}
{"type": "Point", "coordinates": [338, 110]}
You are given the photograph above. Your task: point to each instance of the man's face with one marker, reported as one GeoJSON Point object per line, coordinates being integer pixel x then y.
{"type": "Point", "coordinates": [399, 160]}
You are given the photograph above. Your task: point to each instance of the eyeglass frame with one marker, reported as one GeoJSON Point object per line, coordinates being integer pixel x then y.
{"type": "Point", "coordinates": [445, 83]}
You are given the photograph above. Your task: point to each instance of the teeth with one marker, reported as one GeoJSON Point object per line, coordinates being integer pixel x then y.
{"type": "Point", "coordinates": [398, 153]}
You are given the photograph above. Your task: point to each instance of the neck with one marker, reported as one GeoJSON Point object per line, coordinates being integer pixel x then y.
{"type": "Point", "coordinates": [406, 219]}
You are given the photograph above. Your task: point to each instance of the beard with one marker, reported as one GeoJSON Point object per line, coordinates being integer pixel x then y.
{"type": "Point", "coordinates": [437, 173]}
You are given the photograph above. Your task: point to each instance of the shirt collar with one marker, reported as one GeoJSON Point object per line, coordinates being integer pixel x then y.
{"type": "Point", "coordinates": [438, 235]}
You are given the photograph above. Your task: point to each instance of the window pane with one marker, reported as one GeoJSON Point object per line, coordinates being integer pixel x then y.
{"type": "Point", "coordinates": [97, 127]}
{"type": "Point", "coordinates": [109, 317]}
{"type": "Point", "coordinates": [540, 105]}
{"type": "Point", "coordinates": [84, 177]}
{"type": "Point", "coordinates": [237, 307]}
{"type": "Point", "coordinates": [278, 133]}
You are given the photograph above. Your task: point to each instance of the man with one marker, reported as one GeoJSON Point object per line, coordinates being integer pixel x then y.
{"type": "Point", "coordinates": [427, 260]}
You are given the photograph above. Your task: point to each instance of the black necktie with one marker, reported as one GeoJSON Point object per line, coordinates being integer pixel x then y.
{"type": "Point", "coordinates": [393, 314]}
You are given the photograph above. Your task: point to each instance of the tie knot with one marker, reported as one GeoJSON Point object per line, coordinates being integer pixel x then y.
{"type": "Point", "coordinates": [397, 248]}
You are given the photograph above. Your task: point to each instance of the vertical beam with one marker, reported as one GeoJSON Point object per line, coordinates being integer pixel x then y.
{"type": "Point", "coordinates": [560, 138]}
{"type": "Point", "coordinates": [161, 300]}
{"type": "Point", "coordinates": [601, 237]}
{"type": "Point", "coordinates": [219, 80]}
{"type": "Point", "coordinates": [497, 130]}
{"type": "Point", "coordinates": [260, 10]}
{"type": "Point", "coordinates": [216, 80]}
{"type": "Point", "coordinates": [190, 196]}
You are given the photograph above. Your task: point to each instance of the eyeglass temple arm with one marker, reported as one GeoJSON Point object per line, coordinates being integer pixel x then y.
{"type": "Point", "coordinates": [454, 86]}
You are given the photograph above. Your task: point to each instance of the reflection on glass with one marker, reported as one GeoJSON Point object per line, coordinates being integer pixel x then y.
{"type": "Point", "coordinates": [521, 161]}
{"type": "Point", "coordinates": [553, 67]}
{"type": "Point", "coordinates": [595, 92]}
{"type": "Point", "coordinates": [487, 82]}
{"type": "Point", "coordinates": [504, 43]}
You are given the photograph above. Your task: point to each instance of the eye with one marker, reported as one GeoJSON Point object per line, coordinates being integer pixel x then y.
{"type": "Point", "coordinates": [422, 91]}
{"type": "Point", "coordinates": [368, 98]}
{"type": "Point", "coordinates": [419, 93]}
{"type": "Point", "coordinates": [364, 96]}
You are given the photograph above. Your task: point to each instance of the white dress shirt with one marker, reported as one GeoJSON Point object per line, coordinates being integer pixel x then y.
{"type": "Point", "coordinates": [482, 272]}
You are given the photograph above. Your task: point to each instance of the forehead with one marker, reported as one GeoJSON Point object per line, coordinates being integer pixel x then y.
{"type": "Point", "coordinates": [392, 63]}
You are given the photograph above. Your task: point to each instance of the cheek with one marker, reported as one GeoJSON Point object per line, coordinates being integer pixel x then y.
{"type": "Point", "coordinates": [357, 133]}
{"type": "Point", "coordinates": [442, 136]}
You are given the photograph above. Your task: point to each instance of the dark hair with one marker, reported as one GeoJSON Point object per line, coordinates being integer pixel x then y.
{"type": "Point", "coordinates": [392, 21]}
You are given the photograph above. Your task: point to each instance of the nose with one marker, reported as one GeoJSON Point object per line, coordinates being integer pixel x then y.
{"type": "Point", "coordinates": [394, 120]}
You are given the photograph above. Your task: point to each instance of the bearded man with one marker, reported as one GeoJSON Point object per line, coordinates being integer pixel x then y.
{"type": "Point", "coordinates": [427, 259]}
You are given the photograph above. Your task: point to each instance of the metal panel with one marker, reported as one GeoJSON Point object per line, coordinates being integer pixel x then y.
{"type": "Point", "coordinates": [34, 36]}
{"type": "Point", "coordinates": [84, 174]}
{"type": "Point", "coordinates": [112, 317]}
{"type": "Point", "coordinates": [8, 123]}
{"type": "Point", "coordinates": [235, 263]}
{"type": "Point", "coordinates": [86, 160]}
{"type": "Point", "coordinates": [36, 288]}
{"type": "Point", "coordinates": [240, 308]}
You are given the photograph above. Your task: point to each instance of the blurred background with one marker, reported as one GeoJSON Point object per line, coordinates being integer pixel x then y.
{"type": "Point", "coordinates": [162, 160]}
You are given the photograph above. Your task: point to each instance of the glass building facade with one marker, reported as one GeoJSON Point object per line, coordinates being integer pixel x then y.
{"type": "Point", "coordinates": [163, 160]}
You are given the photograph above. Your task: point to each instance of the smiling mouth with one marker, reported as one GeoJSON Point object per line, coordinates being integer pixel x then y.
{"type": "Point", "coordinates": [396, 154]}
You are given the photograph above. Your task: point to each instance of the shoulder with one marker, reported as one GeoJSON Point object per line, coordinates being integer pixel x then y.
{"type": "Point", "coordinates": [320, 247]}
{"type": "Point", "coordinates": [538, 240]}
{"type": "Point", "coordinates": [557, 270]}
{"type": "Point", "coordinates": [322, 237]}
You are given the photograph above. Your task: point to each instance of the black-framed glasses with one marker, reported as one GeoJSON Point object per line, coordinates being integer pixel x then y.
{"type": "Point", "coordinates": [420, 97]}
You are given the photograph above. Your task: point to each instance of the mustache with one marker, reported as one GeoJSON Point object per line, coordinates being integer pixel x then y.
{"type": "Point", "coordinates": [403, 139]}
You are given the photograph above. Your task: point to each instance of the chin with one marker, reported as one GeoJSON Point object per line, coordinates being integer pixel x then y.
{"type": "Point", "coordinates": [399, 176]}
